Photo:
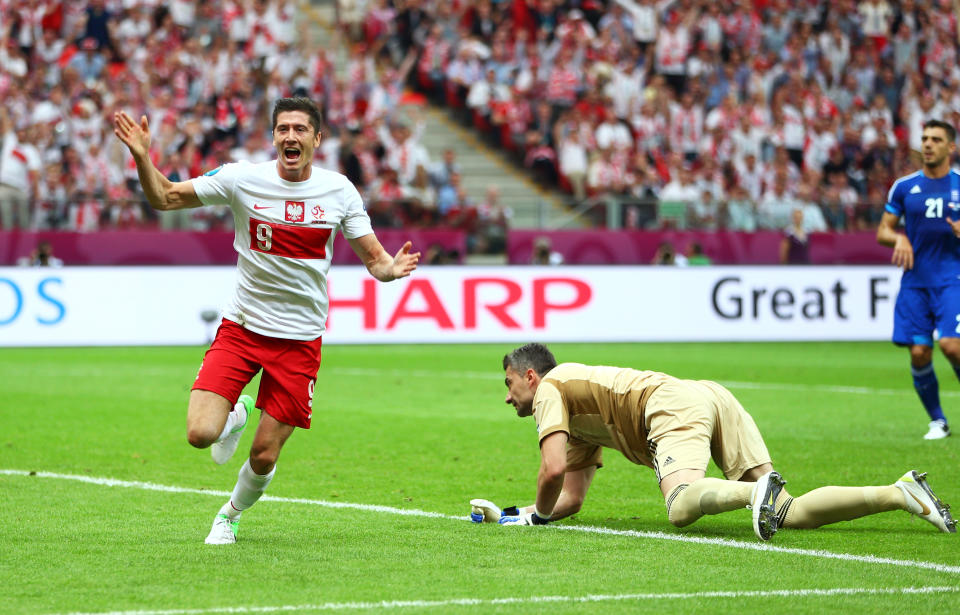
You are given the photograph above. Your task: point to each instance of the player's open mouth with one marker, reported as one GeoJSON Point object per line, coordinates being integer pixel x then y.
{"type": "Point", "coordinates": [291, 154]}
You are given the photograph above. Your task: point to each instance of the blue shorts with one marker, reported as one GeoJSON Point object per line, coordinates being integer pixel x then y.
{"type": "Point", "coordinates": [919, 311]}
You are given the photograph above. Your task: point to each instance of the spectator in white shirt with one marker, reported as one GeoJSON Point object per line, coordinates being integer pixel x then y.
{"type": "Point", "coordinates": [605, 177]}
{"type": "Point", "coordinates": [682, 187]}
{"type": "Point", "coordinates": [914, 111]}
{"type": "Point", "coordinates": [686, 126]}
{"type": "Point", "coordinates": [486, 91]}
{"type": "Point", "coordinates": [776, 31]}
{"type": "Point", "coordinates": [820, 141]}
{"type": "Point", "coordinates": [20, 165]}
{"type": "Point", "coordinates": [776, 205]}
{"type": "Point", "coordinates": [710, 27]}
{"type": "Point", "coordinates": [813, 220]}
{"type": "Point", "coordinates": [705, 212]}
{"type": "Point", "coordinates": [645, 18]}
{"type": "Point", "coordinates": [649, 126]}
{"type": "Point", "coordinates": [876, 130]}
{"type": "Point", "coordinates": [747, 139]}
{"type": "Point", "coordinates": [876, 18]}
{"type": "Point", "coordinates": [625, 86]}
{"type": "Point", "coordinates": [612, 133]}
{"type": "Point", "coordinates": [903, 49]}
{"type": "Point", "coordinates": [741, 211]}
{"type": "Point", "coordinates": [404, 152]}
{"type": "Point", "coordinates": [464, 70]}
{"type": "Point", "coordinates": [573, 163]}
{"type": "Point", "coordinates": [672, 48]}
{"type": "Point", "coordinates": [750, 175]}
{"type": "Point", "coordinates": [865, 73]}
{"type": "Point", "coordinates": [48, 50]}
{"type": "Point", "coordinates": [835, 48]}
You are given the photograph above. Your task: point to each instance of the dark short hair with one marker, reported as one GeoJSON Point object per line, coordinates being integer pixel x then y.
{"type": "Point", "coordinates": [299, 103]}
{"type": "Point", "coordinates": [530, 356]}
{"type": "Point", "coordinates": [946, 126]}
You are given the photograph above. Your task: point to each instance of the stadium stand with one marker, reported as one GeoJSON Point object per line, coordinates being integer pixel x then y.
{"type": "Point", "coordinates": [765, 105]}
{"type": "Point", "coordinates": [806, 104]}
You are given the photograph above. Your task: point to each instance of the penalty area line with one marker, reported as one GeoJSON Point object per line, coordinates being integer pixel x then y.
{"type": "Point", "coordinates": [589, 598]}
{"type": "Point", "coordinates": [413, 512]}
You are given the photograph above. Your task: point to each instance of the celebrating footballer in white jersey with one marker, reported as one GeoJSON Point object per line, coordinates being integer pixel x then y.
{"type": "Point", "coordinates": [286, 213]}
{"type": "Point", "coordinates": [298, 226]}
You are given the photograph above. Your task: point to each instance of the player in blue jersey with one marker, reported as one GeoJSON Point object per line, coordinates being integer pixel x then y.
{"type": "Point", "coordinates": [928, 201]}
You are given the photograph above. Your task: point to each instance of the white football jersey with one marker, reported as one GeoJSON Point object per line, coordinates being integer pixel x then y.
{"type": "Point", "coordinates": [284, 242]}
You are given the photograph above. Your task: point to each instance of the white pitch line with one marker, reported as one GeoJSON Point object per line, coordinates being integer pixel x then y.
{"type": "Point", "coordinates": [758, 386]}
{"type": "Point", "coordinates": [412, 512]}
{"type": "Point", "coordinates": [400, 604]}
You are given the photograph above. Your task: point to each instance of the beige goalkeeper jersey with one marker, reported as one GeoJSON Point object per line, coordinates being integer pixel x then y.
{"type": "Point", "coordinates": [597, 406]}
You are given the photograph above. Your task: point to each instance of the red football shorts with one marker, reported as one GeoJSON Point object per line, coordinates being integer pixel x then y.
{"type": "Point", "coordinates": [289, 371]}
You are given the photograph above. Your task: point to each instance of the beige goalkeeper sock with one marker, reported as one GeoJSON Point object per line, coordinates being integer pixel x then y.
{"type": "Point", "coordinates": [707, 496]}
{"type": "Point", "coordinates": [831, 504]}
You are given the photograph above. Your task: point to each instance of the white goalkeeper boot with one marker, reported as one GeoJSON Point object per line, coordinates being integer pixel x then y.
{"type": "Point", "coordinates": [924, 503]}
{"type": "Point", "coordinates": [763, 504]}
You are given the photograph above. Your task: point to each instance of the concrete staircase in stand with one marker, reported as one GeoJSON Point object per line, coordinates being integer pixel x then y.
{"type": "Point", "coordinates": [481, 165]}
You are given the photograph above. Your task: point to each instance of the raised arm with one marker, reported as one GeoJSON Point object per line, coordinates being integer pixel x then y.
{"type": "Point", "coordinates": [162, 193]}
{"type": "Point", "coordinates": [6, 122]}
{"type": "Point", "coordinates": [380, 264]}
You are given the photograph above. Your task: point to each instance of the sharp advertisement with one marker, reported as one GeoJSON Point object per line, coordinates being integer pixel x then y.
{"type": "Point", "coordinates": [88, 306]}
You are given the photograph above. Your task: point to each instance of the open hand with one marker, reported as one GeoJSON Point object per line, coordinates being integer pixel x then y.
{"type": "Point", "coordinates": [405, 262]}
{"type": "Point", "coordinates": [135, 136]}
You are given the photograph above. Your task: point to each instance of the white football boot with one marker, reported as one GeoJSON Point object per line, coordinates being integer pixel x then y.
{"type": "Point", "coordinates": [763, 503]}
{"type": "Point", "coordinates": [938, 430]}
{"type": "Point", "coordinates": [223, 532]}
{"type": "Point", "coordinates": [922, 502]}
{"type": "Point", "coordinates": [223, 450]}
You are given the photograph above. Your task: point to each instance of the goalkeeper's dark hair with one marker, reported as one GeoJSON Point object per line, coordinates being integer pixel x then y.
{"type": "Point", "coordinates": [299, 103]}
{"type": "Point", "coordinates": [530, 356]}
{"type": "Point", "coordinates": [946, 126]}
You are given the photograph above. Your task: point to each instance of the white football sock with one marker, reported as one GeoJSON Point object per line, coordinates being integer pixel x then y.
{"type": "Point", "coordinates": [229, 510]}
{"type": "Point", "coordinates": [250, 486]}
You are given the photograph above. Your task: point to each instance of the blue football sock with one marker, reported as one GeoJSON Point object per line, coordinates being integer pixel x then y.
{"type": "Point", "coordinates": [925, 382]}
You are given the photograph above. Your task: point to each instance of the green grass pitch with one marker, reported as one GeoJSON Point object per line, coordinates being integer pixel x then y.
{"type": "Point", "coordinates": [424, 428]}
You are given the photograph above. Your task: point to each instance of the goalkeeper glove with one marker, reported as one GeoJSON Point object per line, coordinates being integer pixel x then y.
{"type": "Point", "coordinates": [485, 511]}
{"type": "Point", "coordinates": [525, 519]}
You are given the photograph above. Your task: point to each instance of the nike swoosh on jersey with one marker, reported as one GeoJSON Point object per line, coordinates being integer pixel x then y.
{"type": "Point", "coordinates": [926, 511]}
{"type": "Point", "coordinates": [261, 207]}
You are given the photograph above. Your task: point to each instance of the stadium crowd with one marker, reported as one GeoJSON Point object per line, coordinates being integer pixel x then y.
{"type": "Point", "coordinates": [738, 111]}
